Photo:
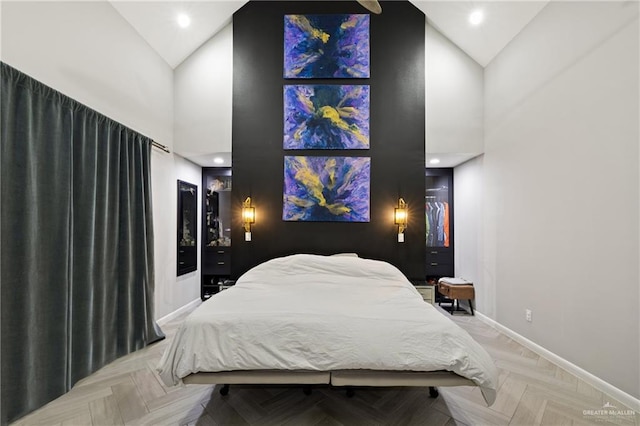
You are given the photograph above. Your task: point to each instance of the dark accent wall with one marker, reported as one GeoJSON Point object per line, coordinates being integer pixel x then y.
{"type": "Point", "coordinates": [397, 137]}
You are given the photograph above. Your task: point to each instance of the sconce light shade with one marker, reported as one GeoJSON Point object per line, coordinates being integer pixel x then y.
{"type": "Point", "coordinates": [248, 217]}
{"type": "Point", "coordinates": [400, 215]}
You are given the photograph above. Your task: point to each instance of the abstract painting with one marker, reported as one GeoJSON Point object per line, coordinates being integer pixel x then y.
{"type": "Point", "coordinates": [326, 117]}
{"type": "Point", "coordinates": [326, 189]}
{"type": "Point", "coordinates": [326, 46]}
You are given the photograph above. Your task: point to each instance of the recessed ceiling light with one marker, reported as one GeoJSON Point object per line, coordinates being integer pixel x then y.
{"type": "Point", "coordinates": [434, 161]}
{"type": "Point", "coordinates": [183, 20]}
{"type": "Point", "coordinates": [476, 17]}
{"type": "Point", "coordinates": [218, 160]}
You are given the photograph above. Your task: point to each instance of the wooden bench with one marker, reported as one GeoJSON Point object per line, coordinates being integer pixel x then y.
{"type": "Point", "coordinates": [455, 292]}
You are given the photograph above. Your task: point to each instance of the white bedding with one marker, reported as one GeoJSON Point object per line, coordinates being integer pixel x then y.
{"type": "Point", "coordinates": [309, 312]}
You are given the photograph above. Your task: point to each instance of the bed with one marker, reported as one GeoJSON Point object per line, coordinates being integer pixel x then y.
{"type": "Point", "coordinates": [339, 320]}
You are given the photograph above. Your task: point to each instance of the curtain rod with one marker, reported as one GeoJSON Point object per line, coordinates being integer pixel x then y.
{"type": "Point", "coordinates": [160, 146]}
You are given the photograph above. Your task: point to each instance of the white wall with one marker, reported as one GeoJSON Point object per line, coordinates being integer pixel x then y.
{"type": "Point", "coordinates": [455, 131]}
{"type": "Point", "coordinates": [202, 129]}
{"type": "Point", "coordinates": [87, 51]}
{"type": "Point", "coordinates": [174, 292]}
{"type": "Point", "coordinates": [454, 98]}
{"type": "Point", "coordinates": [561, 184]}
{"type": "Point", "coordinates": [468, 224]}
{"type": "Point", "coordinates": [203, 97]}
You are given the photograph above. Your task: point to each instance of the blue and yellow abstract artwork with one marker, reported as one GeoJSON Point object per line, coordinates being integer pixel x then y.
{"type": "Point", "coordinates": [326, 189]}
{"type": "Point", "coordinates": [326, 46]}
{"type": "Point", "coordinates": [326, 117]}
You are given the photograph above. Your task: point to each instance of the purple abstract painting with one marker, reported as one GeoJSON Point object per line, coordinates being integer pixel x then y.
{"type": "Point", "coordinates": [326, 46]}
{"type": "Point", "coordinates": [326, 117]}
{"type": "Point", "coordinates": [326, 189]}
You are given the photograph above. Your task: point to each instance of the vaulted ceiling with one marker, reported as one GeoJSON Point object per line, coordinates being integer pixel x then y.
{"type": "Point", "coordinates": [156, 22]}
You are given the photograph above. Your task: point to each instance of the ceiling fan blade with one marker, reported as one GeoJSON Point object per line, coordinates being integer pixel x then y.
{"type": "Point", "coordinates": [371, 5]}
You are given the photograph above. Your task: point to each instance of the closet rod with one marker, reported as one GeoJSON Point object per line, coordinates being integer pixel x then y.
{"type": "Point", "coordinates": [160, 146]}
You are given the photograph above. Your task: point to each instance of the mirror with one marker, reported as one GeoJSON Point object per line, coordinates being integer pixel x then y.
{"type": "Point", "coordinates": [187, 229]}
{"type": "Point", "coordinates": [217, 225]}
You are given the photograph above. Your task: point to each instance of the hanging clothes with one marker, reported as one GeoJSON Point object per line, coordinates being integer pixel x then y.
{"type": "Point", "coordinates": [440, 225]}
{"type": "Point", "coordinates": [446, 224]}
{"type": "Point", "coordinates": [427, 221]}
{"type": "Point", "coordinates": [437, 223]}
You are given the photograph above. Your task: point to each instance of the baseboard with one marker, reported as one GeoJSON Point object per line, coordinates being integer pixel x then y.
{"type": "Point", "coordinates": [589, 378]}
{"type": "Point", "coordinates": [165, 319]}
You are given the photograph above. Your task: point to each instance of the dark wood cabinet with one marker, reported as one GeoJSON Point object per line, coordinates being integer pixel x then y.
{"type": "Point", "coordinates": [439, 211]}
{"type": "Point", "coordinates": [216, 261]}
{"type": "Point", "coordinates": [216, 229]}
{"type": "Point", "coordinates": [440, 261]}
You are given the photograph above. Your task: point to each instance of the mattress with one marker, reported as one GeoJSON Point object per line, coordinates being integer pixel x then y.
{"type": "Point", "coordinates": [324, 313]}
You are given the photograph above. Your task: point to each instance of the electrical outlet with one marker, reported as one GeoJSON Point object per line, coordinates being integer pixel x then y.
{"type": "Point", "coordinates": [527, 314]}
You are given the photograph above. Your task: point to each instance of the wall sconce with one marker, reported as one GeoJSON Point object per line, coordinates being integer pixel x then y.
{"type": "Point", "coordinates": [400, 219]}
{"type": "Point", "coordinates": [248, 217]}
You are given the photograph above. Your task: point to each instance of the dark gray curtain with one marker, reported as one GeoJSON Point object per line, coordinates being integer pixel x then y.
{"type": "Point", "coordinates": [76, 243]}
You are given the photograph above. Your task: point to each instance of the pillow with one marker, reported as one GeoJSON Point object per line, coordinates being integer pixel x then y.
{"type": "Point", "coordinates": [345, 254]}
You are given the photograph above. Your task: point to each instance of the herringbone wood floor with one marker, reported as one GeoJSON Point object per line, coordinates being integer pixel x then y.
{"type": "Point", "coordinates": [532, 391]}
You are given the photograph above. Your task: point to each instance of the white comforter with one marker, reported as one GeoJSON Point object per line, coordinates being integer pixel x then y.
{"type": "Point", "coordinates": [308, 312]}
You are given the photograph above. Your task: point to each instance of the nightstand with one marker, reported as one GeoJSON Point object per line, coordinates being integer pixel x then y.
{"type": "Point", "coordinates": [427, 292]}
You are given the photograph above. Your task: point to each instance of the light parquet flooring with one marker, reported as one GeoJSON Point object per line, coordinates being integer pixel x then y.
{"type": "Point", "coordinates": [532, 391]}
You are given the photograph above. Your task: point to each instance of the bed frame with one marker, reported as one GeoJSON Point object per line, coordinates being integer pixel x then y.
{"type": "Point", "coordinates": [346, 378]}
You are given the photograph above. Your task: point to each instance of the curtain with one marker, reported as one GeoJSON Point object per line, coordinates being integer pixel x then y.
{"type": "Point", "coordinates": [77, 273]}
